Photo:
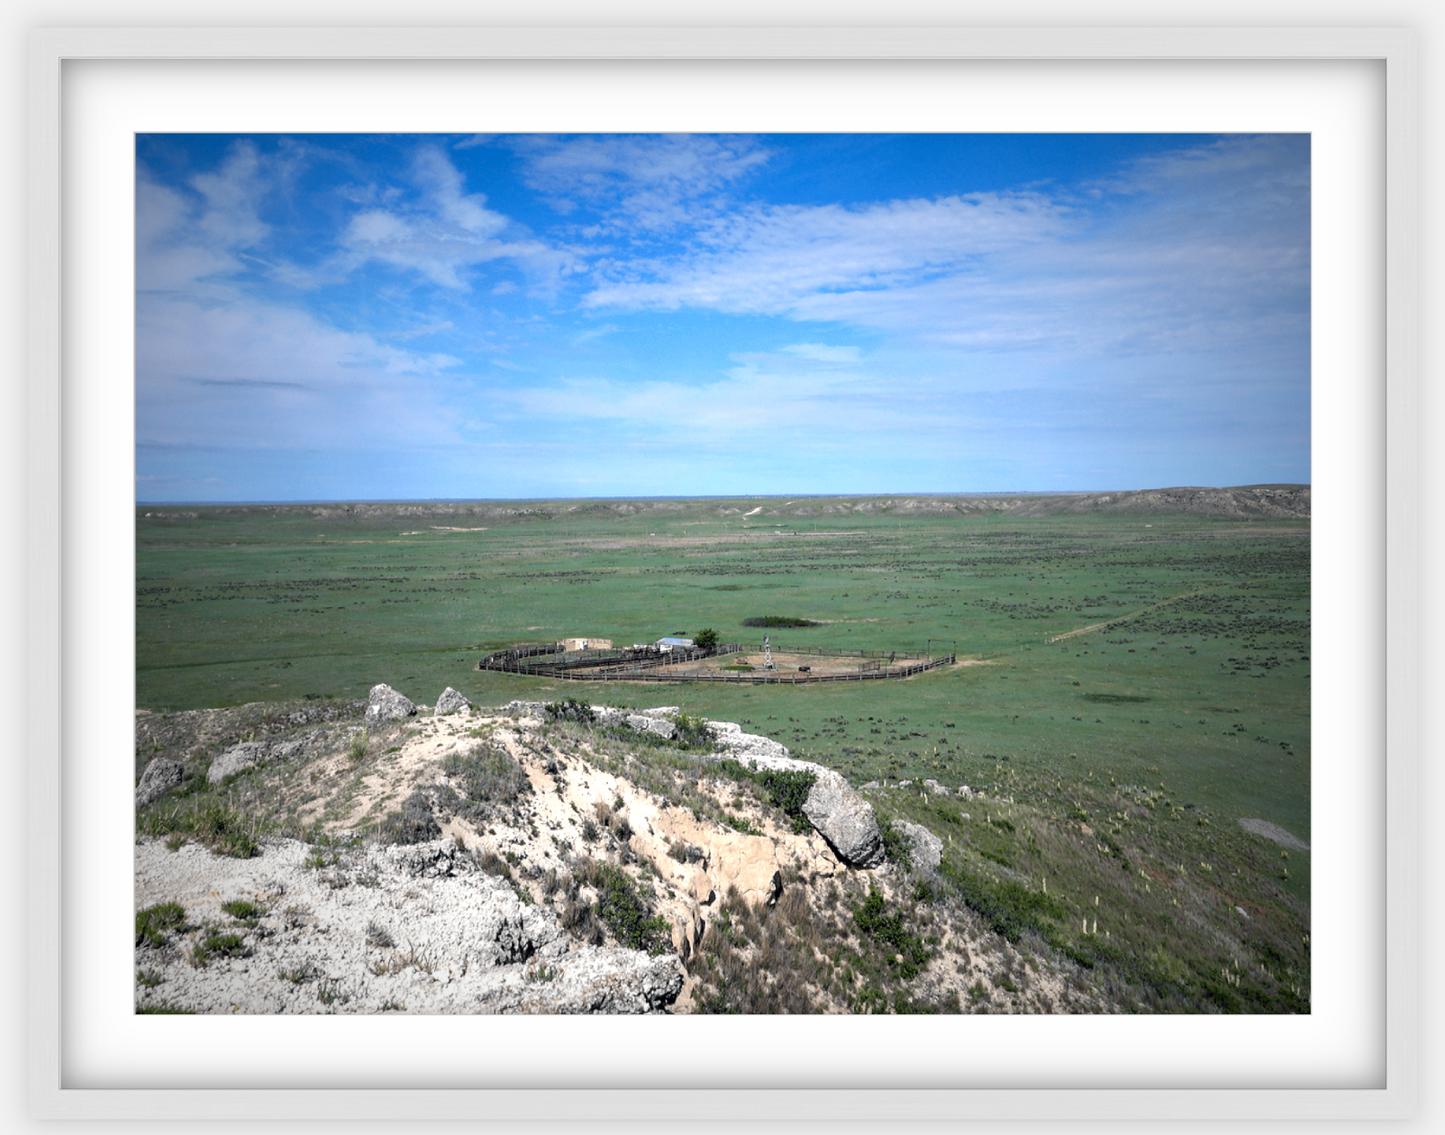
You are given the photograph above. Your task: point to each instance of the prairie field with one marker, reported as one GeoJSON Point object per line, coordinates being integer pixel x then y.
{"type": "Point", "coordinates": [1128, 686]}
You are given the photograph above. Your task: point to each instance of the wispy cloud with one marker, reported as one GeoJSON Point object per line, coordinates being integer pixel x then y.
{"type": "Point", "coordinates": [653, 183]}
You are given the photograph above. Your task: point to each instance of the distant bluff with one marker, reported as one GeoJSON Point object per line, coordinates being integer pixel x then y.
{"type": "Point", "coordinates": [1245, 502]}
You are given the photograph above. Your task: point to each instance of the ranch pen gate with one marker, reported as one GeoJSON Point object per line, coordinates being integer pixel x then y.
{"type": "Point", "coordinates": [636, 663]}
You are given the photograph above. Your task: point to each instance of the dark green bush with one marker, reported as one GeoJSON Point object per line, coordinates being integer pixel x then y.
{"type": "Point", "coordinates": [897, 847]}
{"type": "Point", "coordinates": [622, 911]}
{"type": "Point", "coordinates": [788, 790]}
{"type": "Point", "coordinates": [569, 709]}
{"type": "Point", "coordinates": [779, 621]}
{"type": "Point", "coordinates": [874, 920]}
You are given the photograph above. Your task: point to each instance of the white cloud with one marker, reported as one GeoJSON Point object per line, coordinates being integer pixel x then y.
{"type": "Point", "coordinates": [821, 352]}
{"type": "Point", "coordinates": [445, 233]}
{"type": "Point", "coordinates": [772, 259]}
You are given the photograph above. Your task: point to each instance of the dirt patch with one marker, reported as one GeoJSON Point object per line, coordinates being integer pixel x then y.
{"type": "Point", "coordinates": [1274, 832]}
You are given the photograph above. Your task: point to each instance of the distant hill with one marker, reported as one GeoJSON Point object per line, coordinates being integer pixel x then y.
{"type": "Point", "coordinates": [1243, 502]}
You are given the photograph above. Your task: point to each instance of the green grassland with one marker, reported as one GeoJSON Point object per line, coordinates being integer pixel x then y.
{"type": "Point", "coordinates": [1129, 750]}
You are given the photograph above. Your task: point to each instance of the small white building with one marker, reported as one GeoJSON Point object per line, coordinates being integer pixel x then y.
{"type": "Point", "coordinates": [587, 643]}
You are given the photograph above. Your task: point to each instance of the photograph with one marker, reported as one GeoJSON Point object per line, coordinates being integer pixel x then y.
{"type": "Point", "coordinates": [780, 573]}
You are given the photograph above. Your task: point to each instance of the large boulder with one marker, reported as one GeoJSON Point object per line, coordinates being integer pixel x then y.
{"type": "Point", "coordinates": [927, 848]}
{"type": "Point", "coordinates": [385, 704]}
{"type": "Point", "coordinates": [845, 820]}
{"type": "Point", "coordinates": [238, 758]}
{"type": "Point", "coordinates": [159, 777]}
{"type": "Point", "coordinates": [450, 702]}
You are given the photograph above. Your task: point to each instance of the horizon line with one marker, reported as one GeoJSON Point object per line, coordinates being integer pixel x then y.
{"type": "Point", "coordinates": [707, 496]}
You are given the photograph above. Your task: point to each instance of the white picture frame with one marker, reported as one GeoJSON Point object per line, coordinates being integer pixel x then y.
{"type": "Point", "coordinates": [57, 426]}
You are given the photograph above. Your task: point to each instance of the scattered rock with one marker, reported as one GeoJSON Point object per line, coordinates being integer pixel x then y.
{"type": "Point", "coordinates": [936, 788]}
{"type": "Point", "coordinates": [450, 702]}
{"type": "Point", "coordinates": [845, 820]}
{"type": "Point", "coordinates": [159, 777]}
{"type": "Point", "coordinates": [385, 704]}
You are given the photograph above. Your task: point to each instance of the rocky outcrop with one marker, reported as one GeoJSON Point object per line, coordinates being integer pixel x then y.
{"type": "Point", "coordinates": [760, 752]}
{"type": "Point", "coordinates": [418, 927]}
{"type": "Point", "coordinates": [238, 758]}
{"type": "Point", "coordinates": [936, 788]}
{"type": "Point", "coordinates": [927, 848]}
{"type": "Point", "coordinates": [450, 702]}
{"type": "Point", "coordinates": [385, 704]}
{"type": "Point", "coordinates": [249, 754]}
{"type": "Point", "coordinates": [845, 820]}
{"type": "Point", "coordinates": [645, 723]}
{"type": "Point", "coordinates": [159, 777]}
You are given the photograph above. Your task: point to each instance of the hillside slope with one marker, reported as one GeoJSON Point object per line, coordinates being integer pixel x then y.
{"type": "Point", "coordinates": [587, 859]}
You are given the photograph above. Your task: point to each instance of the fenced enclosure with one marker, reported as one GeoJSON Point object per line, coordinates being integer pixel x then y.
{"type": "Point", "coordinates": [696, 664]}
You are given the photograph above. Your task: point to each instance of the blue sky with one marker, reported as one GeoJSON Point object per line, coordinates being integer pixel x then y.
{"type": "Point", "coordinates": [417, 316]}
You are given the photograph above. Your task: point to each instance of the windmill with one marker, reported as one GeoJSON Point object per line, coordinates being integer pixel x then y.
{"type": "Point", "coordinates": [767, 653]}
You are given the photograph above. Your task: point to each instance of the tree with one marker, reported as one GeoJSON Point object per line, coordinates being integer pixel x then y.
{"type": "Point", "coordinates": [705, 638]}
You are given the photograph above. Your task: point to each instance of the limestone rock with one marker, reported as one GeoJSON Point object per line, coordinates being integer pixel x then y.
{"type": "Point", "coordinates": [450, 702]}
{"type": "Point", "coordinates": [159, 777]}
{"type": "Point", "coordinates": [587, 981]}
{"type": "Point", "coordinates": [385, 704]}
{"type": "Point", "coordinates": [845, 820]}
{"type": "Point", "coordinates": [927, 848]}
{"type": "Point", "coordinates": [659, 725]}
{"type": "Point", "coordinates": [749, 747]}
{"type": "Point", "coordinates": [238, 758]}
{"type": "Point", "coordinates": [936, 788]}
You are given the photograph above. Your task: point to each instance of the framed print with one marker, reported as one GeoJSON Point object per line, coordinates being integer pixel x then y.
{"type": "Point", "coordinates": [108, 102]}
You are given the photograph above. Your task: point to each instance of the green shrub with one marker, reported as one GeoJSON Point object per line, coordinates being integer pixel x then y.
{"type": "Point", "coordinates": [622, 911]}
{"type": "Point", "coordinates": [242, 911]}
{"type": "Point", "coordinates": [569, 709]}
{"type": "Point", "coordinates": [874, 920]}
{"type": "Point", "coordinates": [788, 791]}
{"type": "Point", "coordinates": [1009, 908]}
{"type": "Point", "coordinates": [694, 732]}
{"type": "Point", "coordinates": [152, 922]}
{"type": "Point", "coordinates": [897, 847]}
{"type": "Point", "coordinates": [228, 944]}
{"type": "Point", "coordinates": [779, 621]}
{"type": "Point", "coordinates": [705, 639]}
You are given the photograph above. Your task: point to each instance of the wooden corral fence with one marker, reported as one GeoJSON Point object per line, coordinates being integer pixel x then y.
{"type": "Point", "coordinates": [635, 666]}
